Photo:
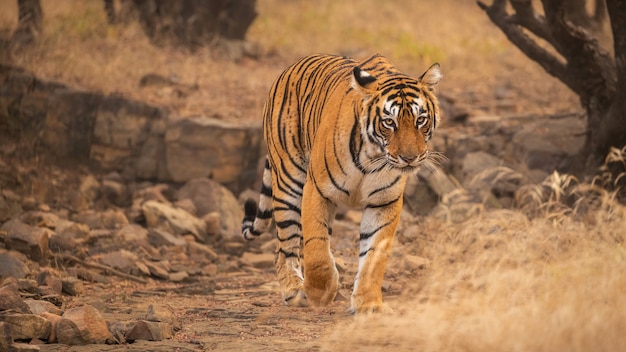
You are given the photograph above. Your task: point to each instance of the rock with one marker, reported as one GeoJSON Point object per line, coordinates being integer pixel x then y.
{"type": "Point", "coordinates": [128, 138]}
{"type": "Point", "coordinates": [133, 233]}
{"type": "Point", "coordinates": [210, 196]}
{"type": "Point", "coordinates": [188, 205]}
{"type": "Point", "coordinates": [157, 270]}
{"type": "Point", "coordinates": [547, 143]}
{"type": "Point", "coordinates": [162, 313]}
{"type": "Point", "coordinates": [32, 241]}
{"type": "Point", "coordinates": [27, 326]}
{"type": "Point", "coordinates": [40, 219]}
{"type": "Point", "coordinates": [81, 326]}
{"type": "Point", "coordinates": [115, 192]}
{"type": "Point", "coordinates": [6, 338]}
{"type": "Point", "coordinates": [200, 252]}
{"type": "Point", "coordinates": [73, 286]}
{"type": "Point", "coordinates": [113, 219]}
{"type": "Point", "coordinates": [150, 331]}
{"type": "Point", "coordinates": [10, 299]}
{"type": "Point", "coordinates": [159, 238]}
{"type": "Point", "coordinates": [177, 221]}
{"type": "Point", "coordinates": [109, 219]}
{"type": "Point", "coordinates": [121, 259]}
{"type": "Point", "coordinates": [178, 276]}
{"type": "Point", "coordinates": [422, 193]}
{"type": "Point", "coordinates": [205, 147]}
{"type": "Point", "coordinates": [24, 347]}
{"type": "Point", "coordinates": [262, 260]}
{"type": "Point", "coordinates": [54, 320]}
{"type": "Point", "coordinates": [213, 222]}
{"type": "Point", "coordinates": [47, 278]}
{"type": "Point", "coordinates": [475, 163]}
{"type": "Point", "coordinates": [12, 266]}
{"type": "Point", "coordinates": [38, 306]}
{"type": "Point", "coordinates": [87, 193]}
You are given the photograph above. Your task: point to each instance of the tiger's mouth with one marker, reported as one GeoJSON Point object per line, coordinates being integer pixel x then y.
{"type": "Point", "coordinates": [406, 164]}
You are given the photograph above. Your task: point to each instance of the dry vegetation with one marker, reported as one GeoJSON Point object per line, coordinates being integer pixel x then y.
{"type": "Point", "coordinates": [504, 281]}
{"type": "Point", "coordinates": [79, 48]}
{"type": "Point", "coordinates": [547, 277]}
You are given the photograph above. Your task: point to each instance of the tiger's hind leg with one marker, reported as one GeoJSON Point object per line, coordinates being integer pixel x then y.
{"type": "Point", "coordinates": [287, 200]}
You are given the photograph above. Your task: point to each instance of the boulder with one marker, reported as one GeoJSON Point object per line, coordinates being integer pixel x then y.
{"type": "Point", "coordinates": [206, 147]}
{"type": "Point", "coordinates": [81, 326]}
{"type": "Point", "coordinates": [30, 240]}
{"type": "Point", "coordinates": [210, 196]}
{"type": "Point", "coordinates": [128, 137]}
{"type": "Point", "coordinates": [12, 265]}
{"type": "Point", "coordinates": [27, 326]}
{"type": "Point", "coordinates": [10, 299]}
{"type": "Point", "coordinates": [174, 220]}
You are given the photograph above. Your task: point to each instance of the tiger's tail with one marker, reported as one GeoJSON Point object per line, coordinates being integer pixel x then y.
{"type": "Point", "coordinates": [257, 219]}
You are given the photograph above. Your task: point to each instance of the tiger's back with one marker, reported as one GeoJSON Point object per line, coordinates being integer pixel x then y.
{"type": "Point", "coordinates": [339, 131]}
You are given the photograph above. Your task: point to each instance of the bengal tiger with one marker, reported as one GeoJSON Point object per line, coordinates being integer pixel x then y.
{"type": "Point", "coordinates": [339, 131]}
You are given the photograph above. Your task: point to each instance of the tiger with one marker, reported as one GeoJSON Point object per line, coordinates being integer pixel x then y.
{"type": "Point", "coordinates": [339, 132]}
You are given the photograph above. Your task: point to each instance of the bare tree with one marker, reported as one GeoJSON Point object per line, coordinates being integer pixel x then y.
{"type": "Point", "coordinates": [593, 73]}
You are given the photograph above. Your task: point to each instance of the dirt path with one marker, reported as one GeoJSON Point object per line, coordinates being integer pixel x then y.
{"type": "Point", "coordinates": [236, 311]}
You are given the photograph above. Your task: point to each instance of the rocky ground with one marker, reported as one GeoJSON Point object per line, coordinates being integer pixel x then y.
{"type": "Point", "coordinates": [98, 261]}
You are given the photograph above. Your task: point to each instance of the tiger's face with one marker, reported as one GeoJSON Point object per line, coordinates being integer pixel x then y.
{"type": "Point", "coordinates": [401, 116]}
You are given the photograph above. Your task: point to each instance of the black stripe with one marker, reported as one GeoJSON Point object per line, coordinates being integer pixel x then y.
{"type": "Point", "coordinates": [316, 238]}
{"type": "Point", "coordinates": [286, 223]}
{"type": "Point", "coordinates": [393, 183]}
{"type": "Point", "coordinates": [287, 254]}
{"type": "Point", "coordinates": [366, 235]}
{"type": "Point", "coordinates": [290, 237]}
{"type": "Point", "coordinates": [290, 206]}
{"type": "Point", "coordinates": [264, 214]}
{"type": "Point", "coordinates": [383, 204]}
{"type": "Point", "coordinates": [266, 190]}
{"type": "Point", "coordinates": [332, 179]}
{"type": "Point", "coordinates": [361, 254]}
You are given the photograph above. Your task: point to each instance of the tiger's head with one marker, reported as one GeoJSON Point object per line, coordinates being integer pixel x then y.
{"type": "Point", "coordinates": [400, 113]}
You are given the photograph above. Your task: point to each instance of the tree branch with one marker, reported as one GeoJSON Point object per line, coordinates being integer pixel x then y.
{"type": "Point", "coordinates": [498, 15]}
{"type": "Point", "coordinates": [526, 17]}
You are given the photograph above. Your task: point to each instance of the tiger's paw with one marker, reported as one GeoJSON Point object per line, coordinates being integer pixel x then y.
{"type": "Point", "coordinates": [372, 303]}
{"type": "Point", "coordinates": [295, 298]}
{"type": "Point", "coordinates": [370, 309]}
{"type": "Point", "coordinates": [321, 286]}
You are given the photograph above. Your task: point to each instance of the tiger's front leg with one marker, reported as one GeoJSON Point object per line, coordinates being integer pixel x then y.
{"type": "Point", "coordinates": [321, 278]}
{"type": "Point", "coordinates": [378, 228]}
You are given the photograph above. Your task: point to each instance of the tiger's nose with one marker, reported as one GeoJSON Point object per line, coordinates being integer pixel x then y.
{"type": "Point", "coordinates": [407, 158]}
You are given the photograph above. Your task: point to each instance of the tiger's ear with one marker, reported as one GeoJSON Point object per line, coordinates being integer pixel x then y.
{"type": "Point", "coordinates": [431, 77]}
{"type": "Point", "coordinates": [363, 78]}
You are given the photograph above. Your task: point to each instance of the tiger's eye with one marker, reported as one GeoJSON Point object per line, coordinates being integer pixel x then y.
{"type": "Point", "coordinates": [389, 123]}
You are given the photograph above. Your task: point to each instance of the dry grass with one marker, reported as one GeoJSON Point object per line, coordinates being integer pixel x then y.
{"type": "Point", "coordinates": [501, 281]}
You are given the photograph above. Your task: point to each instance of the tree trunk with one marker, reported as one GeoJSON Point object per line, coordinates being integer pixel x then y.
{"type": "Point", "coordinates": [30, 21]}
{"type": "Point", "coordinates": [596, 76]}
{"type": "Point", "coordinates": [195, 23]}
{"type": "Point", "coordinates": [610, 129]}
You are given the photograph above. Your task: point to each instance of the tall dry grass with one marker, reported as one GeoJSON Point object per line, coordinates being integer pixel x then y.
{"type": "Point", "coordinates": [548, 276]}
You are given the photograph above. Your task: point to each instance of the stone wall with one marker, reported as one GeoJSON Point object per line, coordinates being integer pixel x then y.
{"type": "Point", "coordinates": [112, 133]}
